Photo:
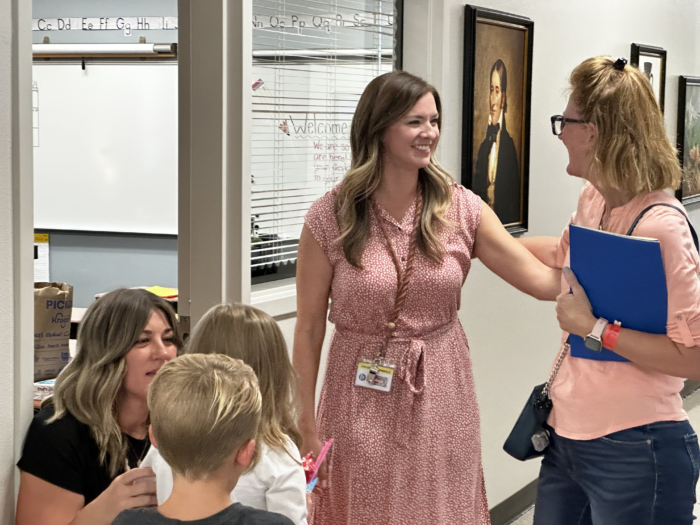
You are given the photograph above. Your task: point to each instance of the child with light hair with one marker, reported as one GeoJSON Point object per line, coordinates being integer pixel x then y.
{"type": "Point", "coordinates": [205, 413]}
{"type": "Point", "coordinates": [277, 482]}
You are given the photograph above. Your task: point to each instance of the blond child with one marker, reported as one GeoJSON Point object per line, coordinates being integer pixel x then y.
{"type": "Point", "coordinates": [277, 483]}
{"type": "Point", "coordinates": [208, 449]}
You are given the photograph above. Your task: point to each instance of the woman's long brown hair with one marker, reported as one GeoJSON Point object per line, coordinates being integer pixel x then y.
{"type": "Point", "coordinates": [385, 100]}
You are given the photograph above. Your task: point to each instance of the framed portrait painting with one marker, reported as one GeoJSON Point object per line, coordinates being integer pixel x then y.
{"type": "Point", "coordinates": [496, 112]}
{"type": "Point", "coordinates": [651, 61]}
{"type": "Point", "coordinates": [689, 138]}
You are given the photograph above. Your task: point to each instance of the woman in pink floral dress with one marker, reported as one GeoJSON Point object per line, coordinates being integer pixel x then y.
{"type": "Point", "coordinates": [410, 453]}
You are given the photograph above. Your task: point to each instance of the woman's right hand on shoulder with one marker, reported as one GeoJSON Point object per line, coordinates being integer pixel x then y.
{"type": "Point", "coordinates": [43, 502]}
{"type": "Point", "coordinates": [135, 488]}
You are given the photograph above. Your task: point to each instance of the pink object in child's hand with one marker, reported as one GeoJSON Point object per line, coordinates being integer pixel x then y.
{"type": "Point", "coordinates": [312, 465]}
{"type": "Point", "coordinates": [322, 456]}
{"type": "Point", "coordinates": [308, 463]}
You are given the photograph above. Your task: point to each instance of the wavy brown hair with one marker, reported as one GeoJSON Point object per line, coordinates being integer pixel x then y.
{"type": "Point", "coordinates": [632, 152]}
{"type": "Point", "coordinates": [89, 386]}
{"type": "Point", "coordinates": [246, 333]}
{"type": "Point", "coordinates": [385, 100]}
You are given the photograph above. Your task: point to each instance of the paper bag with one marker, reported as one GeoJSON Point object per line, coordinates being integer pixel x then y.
{"type": "Point", "coordinates": [53, 305]}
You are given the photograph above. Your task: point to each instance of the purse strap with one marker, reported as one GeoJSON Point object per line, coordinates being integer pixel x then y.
{"type": "Point", "coordinates": [403, 276]}
{"type": "Point", "coordinates": [641, 214]}
{"type": "Point", "coordinates": [555, 369]}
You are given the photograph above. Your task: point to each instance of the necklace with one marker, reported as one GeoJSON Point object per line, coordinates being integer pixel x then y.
{"type": "Point", "coordinates": [139, 458]}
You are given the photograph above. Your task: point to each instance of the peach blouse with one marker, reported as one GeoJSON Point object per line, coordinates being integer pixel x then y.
{"type": "Point", "coordinates": [595, 398]}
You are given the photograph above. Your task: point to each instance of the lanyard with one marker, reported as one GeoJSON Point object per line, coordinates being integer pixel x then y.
{"type": "Point", "coordinates": [404, 276]}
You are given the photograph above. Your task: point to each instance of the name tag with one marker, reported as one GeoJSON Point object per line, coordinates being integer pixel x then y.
{"type": "Point", "coordinates": [376, 378]}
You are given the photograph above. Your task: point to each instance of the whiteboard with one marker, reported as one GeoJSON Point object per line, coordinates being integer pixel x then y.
{"type": "Point", "coordinates": [105, 147]}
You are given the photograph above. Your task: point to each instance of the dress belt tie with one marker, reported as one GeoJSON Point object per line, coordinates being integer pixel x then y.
{"type": "Point", "coordinates": [411, 368]}
{"type": "Point", "coordinates": [411, 372]}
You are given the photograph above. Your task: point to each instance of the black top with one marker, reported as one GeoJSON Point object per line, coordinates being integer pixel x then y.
{"type": "Point", "coordinates": [65, 454]}
{"type": "Point", "coordinates": [236, 514]}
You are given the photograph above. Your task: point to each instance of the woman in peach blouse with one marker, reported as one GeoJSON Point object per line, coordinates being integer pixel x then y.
{"type": "Point", "coordinates": [621, 449]}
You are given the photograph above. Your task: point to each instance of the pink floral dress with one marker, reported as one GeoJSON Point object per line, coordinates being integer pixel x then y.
{"type": "Point", "coordinates": [412, 455]}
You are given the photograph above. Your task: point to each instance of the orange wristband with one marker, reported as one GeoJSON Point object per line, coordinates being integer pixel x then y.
{"type": "Point", "coordinates": [612, 331]}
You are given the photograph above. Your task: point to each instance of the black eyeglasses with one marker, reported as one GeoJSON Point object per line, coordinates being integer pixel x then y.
{"type": "Point", "coordinates": [559, 121]}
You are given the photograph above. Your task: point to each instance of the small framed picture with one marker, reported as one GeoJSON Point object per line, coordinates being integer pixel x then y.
{"type": "Point", "coordinates": [496, 112]}
{"type": "Point", "coordinates": [651, 61]}
{"type": "Point", "coordinates": [689, 138]}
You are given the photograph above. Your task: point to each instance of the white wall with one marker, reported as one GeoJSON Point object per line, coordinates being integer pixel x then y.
{"type": "Point", "coordinates": [16, 240]}
{"type": "Point", "coordinates": [513, 338]}
{"type": "Point", "coordinates": [287, 326]}
{"type": "Point", "coordinates": [6, 275]}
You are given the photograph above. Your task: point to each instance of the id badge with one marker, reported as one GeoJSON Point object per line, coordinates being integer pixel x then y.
{"type": "Point", "coordinates": [371, 374]}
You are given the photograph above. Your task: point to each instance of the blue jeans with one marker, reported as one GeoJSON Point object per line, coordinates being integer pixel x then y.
{"type": "Point", "coordinates": [640, 476]}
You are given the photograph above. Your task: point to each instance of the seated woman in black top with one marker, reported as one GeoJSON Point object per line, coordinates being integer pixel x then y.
{"type": "Point", "coordinates": [80, 448]}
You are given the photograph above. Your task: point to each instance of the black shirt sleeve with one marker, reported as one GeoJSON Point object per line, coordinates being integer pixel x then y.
{"type": "Point", "coordinates": [64, 454]}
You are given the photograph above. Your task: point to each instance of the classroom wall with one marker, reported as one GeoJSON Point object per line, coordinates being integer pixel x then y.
{"type": "Point", "coordinates": [6, 274]}
{"type": "Point", "coordinates": [100, 262]}
{"type": "Point", "coordinates": [95, 263]}
{"type": "Point", "coordinates": [103, 8]}
{"type": "Point", "coordinates": [16, 300]}
{"type": "Point", "coordinates": [514, 338]}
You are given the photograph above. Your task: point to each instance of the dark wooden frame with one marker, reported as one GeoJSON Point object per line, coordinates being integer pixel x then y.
{"type": "Point", "coordinates": [641, 49]}
{"type": "Point", "coordinates": [472, 16]}
{"type": "Point", "coordinates": [398, 34]}
{"type": "Point", "coordinates": [683, 83]}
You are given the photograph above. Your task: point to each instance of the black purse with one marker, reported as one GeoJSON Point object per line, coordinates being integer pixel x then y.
{"type": "Point", "coordinates": [529, 437]}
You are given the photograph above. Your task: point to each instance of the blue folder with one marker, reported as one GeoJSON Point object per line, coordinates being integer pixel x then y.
{"type": "Point", "coordinates": [624, 279]}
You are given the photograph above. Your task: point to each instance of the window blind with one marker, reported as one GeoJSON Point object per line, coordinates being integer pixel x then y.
{"type": "Point", "coordinates": [311, 62]}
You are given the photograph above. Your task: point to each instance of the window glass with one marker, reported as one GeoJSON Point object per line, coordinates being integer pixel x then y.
{"type": "Point", "coordinates": [311, 62]}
